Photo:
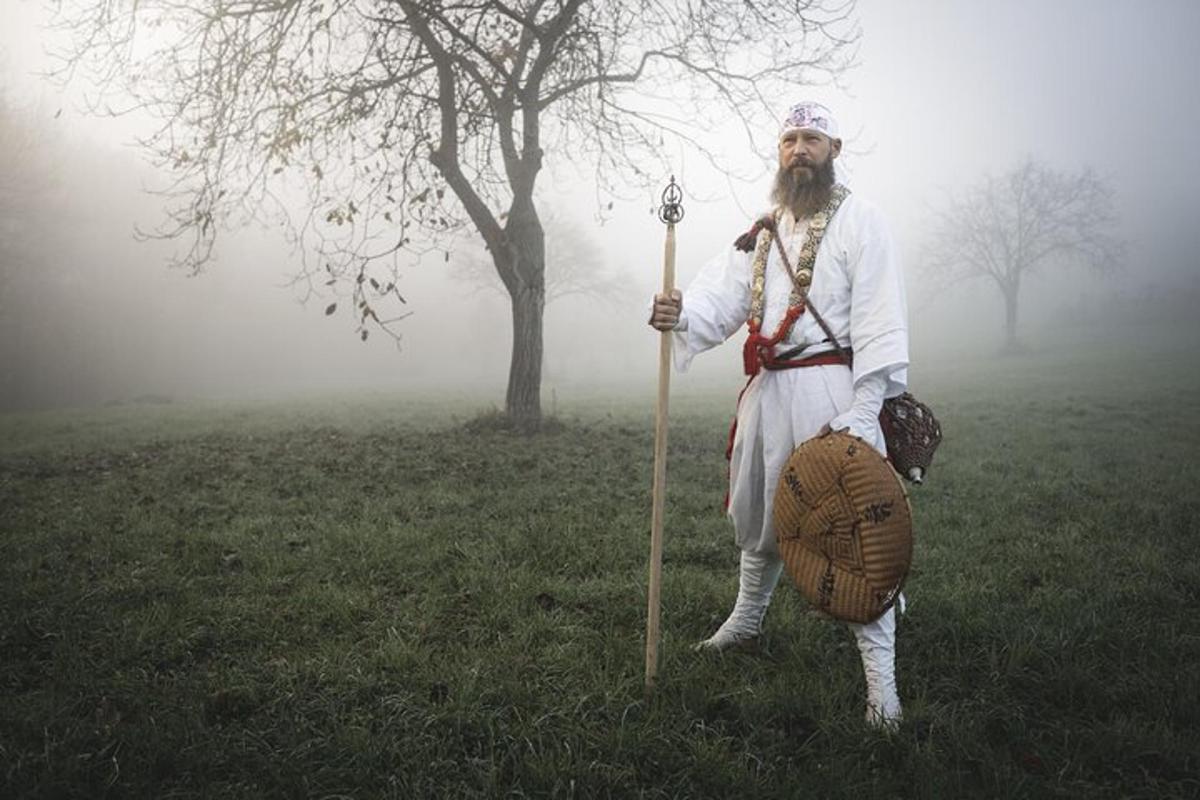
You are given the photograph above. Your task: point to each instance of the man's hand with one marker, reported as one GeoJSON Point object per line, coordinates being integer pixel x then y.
{"type": "Point", "coordinates": [666, 310]}
{"type": "Point", "coordinates": [826, 430]}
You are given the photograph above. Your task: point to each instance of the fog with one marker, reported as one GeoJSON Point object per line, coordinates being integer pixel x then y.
{"type": "Point", "coordinates": [943, 93]}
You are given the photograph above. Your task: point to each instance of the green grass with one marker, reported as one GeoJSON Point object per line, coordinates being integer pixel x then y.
{"type": "Point", "coordinates": [377, 599]}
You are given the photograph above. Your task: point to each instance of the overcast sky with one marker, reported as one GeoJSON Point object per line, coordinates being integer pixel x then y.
{"type": "Point", "coordinates": [944, 92]}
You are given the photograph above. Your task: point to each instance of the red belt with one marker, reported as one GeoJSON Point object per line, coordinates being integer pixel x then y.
{"type": "Point", "coordinates": [819, 359]}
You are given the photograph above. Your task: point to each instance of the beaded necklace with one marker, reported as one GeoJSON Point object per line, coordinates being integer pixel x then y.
{"type": "Point", "coordinates": [758, 348]}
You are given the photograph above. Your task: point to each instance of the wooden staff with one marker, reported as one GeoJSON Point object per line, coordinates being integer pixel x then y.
{"type": "Point", "coordinates": [670, 212]}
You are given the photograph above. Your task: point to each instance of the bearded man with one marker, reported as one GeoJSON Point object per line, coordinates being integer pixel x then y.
{"type": "Point", "coordinates": [800, 386]}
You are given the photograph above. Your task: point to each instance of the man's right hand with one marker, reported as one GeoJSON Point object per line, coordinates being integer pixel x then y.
{"type": "Point", "coordinates": [666, 310]}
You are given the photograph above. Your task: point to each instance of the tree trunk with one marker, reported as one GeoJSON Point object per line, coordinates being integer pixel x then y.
{"type": "Point", "coordinates": [527, 247]}
{"type": "Point", "coordinates": [1011, 344]}
{"type": "Point", "coordinates": [523, 402]}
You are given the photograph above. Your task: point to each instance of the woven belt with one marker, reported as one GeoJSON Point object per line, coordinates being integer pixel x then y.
{"type": "Point", "coordinates": [783, 361]}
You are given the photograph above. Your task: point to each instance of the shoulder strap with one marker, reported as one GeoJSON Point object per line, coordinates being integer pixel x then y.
{"type": "Point", "coordinates": [816, 234]}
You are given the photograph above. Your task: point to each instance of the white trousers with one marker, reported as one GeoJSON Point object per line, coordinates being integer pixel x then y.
{"type": "Point", "coordinates": [778, 411]}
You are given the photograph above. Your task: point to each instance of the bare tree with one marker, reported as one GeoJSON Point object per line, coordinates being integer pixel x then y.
{"type": "Point", "coordinates": [1005, 228]}
{"type": "Point", "coordinates": [406, 119]}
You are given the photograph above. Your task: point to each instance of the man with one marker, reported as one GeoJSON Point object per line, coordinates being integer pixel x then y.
{"type": "Point", "coordinates": [805, 389]}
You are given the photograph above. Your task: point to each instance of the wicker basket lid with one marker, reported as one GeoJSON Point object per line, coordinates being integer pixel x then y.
{"type": "Point", "coordinates": [844, 527]}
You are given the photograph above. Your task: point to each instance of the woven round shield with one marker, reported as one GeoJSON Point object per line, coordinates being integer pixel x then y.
{"type": "Point", "coordinates": [844, 527]}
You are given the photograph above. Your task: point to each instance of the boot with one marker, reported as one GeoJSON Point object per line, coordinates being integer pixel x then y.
{"type": "Point", "coordinates": [758, 574]}
{"type": "Point", "coordinates": [877, 646]}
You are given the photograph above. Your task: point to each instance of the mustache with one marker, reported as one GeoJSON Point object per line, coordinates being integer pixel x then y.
{"type": "Point", "coordinates": [797, 166]}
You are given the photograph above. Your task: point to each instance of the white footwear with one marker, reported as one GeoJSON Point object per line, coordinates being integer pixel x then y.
{"type": "Point", "coordinates": [877, 646]}
{"type": "Point", "coordinates": [757, 576]}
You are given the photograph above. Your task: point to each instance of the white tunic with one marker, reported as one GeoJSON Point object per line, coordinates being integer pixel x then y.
{"type": "Point", "coordinates": [858, 288]}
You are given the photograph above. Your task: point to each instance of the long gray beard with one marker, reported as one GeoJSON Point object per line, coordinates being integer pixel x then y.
{"type": "Point", "coordinates": [803, 197]}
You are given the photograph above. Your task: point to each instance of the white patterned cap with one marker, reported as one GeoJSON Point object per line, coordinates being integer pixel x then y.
{"type": "Point", "coordinates": [809, 116]}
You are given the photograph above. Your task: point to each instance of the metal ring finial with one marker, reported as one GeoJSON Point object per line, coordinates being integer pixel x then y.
{"type": "Point", "coordinates": [671, 210]}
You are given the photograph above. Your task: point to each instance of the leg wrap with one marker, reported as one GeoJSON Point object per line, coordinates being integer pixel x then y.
{"type": "Point", "coordinates": [758, 575]}
{"type": "Point", "coordinates": [877, 646]}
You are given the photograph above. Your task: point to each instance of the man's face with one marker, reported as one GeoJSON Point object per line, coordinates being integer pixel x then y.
{"type": "Point", "coordinates": [803, 152]}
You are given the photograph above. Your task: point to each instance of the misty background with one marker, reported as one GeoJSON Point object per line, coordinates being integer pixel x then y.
{"type": "Point", "coordinates": [943, 94]}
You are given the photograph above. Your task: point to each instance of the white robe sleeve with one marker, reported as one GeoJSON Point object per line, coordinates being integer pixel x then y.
{"type": "Point", "coordinates": [715, 304]}
{"type": "Point", "coordinates": [878, 310]}
{"type": "Point", "coordinates": [862, 418]}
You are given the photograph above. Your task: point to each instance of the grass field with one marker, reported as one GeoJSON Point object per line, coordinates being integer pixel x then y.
{"type": "Point", "coordinates": [383, 599]}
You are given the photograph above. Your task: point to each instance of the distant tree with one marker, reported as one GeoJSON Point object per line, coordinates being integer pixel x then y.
{"type": "Point", "coordinates": [405, 119]}
{"type": "Point", "coordinates": [1032, 217]}
{"type": "Point", "coordinates": [26, 197]}
{"type": "Point", "coordinates": [35, 210]}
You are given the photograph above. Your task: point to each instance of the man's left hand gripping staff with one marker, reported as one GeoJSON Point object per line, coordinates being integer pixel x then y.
{"type": "Point", "coordinates": [667, 308]}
